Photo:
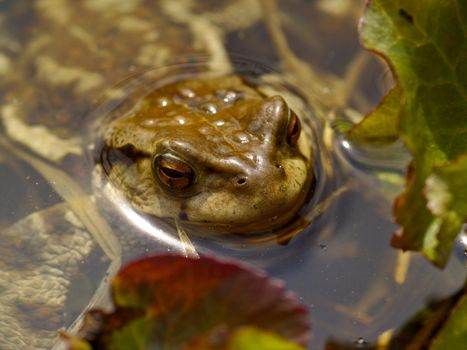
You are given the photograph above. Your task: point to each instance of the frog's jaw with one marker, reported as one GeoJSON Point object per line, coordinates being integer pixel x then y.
{"type": "Point", "coordinates": [266, 224]}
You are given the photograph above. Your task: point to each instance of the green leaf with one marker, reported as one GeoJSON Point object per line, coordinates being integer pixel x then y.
{"type": "Point", "coordinates": [75, 343]}
{"type": "Point", "coordinates": [135, 335]}
{"type": "Point", "coordinates": [425, 44]}
{"type": "Point", "coordinates": [454, 333]}
{"type": "Point", "coordinates": [166, 301]}
{"type": "Point", "coordinates": [250, 338]}
{"type": "Point", "coordinates": [246, 338]}
{"type": "Point", "coordinates": [380, 126]}
{"type": "Point", "coordinates": [446, 192]}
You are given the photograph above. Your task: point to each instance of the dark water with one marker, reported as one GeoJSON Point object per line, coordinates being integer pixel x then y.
{"type": "Point", "coordinates": [341, 266]}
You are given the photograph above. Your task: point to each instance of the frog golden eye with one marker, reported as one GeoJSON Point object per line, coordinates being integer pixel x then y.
{"type": "Point", "coordinates": [293, 129]}
{"type": "Point", "coordinates": [173, 172]}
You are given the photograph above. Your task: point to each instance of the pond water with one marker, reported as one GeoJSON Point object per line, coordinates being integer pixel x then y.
{"type": "Point", "coordinates": [65, 66]}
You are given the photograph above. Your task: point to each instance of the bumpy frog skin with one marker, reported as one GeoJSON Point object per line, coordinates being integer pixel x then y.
{"type": "Point", "coordinates": [215, 152]}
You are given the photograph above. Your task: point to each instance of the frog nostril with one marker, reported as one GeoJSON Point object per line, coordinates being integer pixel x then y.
{"type": "Point", "coordinates": [241, 181]}
{"type": "Point", "coordinates": [280, 170]}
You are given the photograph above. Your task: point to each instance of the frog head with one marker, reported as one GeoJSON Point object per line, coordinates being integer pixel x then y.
{"type": "Point", "coordinates": [212, 152]}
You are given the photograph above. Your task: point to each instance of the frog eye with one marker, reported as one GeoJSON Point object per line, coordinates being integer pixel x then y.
{"type": "Point", "coordinates": [293, 129]}
{"type": "Point", "coordinates": [173, 172]}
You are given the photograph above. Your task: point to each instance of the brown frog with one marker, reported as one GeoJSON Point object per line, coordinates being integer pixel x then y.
{"type": "Point", "coordinates": [214, 152]}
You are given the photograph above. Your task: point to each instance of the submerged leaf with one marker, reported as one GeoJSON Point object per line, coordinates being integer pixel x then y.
{"type": "Point", "coordinates": [441, 325]}
{"type": "Point", "coordinates": [419, 332]}
{"type": "Point", "coordinates": [167, 301]}
{"type": "Point", "coordinates": [425, 44]}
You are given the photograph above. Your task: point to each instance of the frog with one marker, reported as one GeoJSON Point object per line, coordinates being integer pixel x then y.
{"type": "Point", "coordinates": [214, 152]}
{"type": "Point", "coordinates": [190, 146]}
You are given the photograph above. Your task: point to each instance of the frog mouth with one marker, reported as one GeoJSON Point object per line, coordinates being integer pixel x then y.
{"type": "Point", "coordinates": [257, 233]}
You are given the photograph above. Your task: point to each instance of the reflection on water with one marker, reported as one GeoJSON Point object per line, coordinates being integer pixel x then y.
{"type": "Point", "coordinates": [64, 63]}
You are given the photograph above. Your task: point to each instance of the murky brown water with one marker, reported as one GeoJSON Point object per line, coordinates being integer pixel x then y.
{"type": "Point", "coordinates": [340, 266]}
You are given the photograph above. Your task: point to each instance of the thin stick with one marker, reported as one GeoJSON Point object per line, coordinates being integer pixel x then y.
{"type": "Point", "coordinates": [189, 249]}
